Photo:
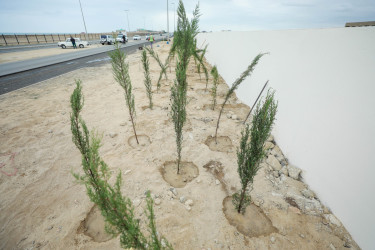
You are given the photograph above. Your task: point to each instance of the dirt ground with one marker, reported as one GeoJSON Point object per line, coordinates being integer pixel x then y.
{"type": "Point", "coordinates": [43, 207]}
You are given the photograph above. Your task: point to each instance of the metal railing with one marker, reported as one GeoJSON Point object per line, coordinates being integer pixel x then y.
{"type": "Point", "coordinates": [25, 39]}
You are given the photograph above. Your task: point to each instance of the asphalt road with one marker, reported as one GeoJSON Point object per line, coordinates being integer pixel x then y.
{"type": "Point", "coordinates": [19, 80]}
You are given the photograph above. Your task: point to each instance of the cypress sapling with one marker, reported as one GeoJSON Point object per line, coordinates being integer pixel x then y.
{"type": "Point", "coordinates": [251, 150]}
{"type": "Point", "coordinates": [235, 85]}
{"type": "Point", "coordinates": [215, 76]}
{"type": "Point", "coordinates": [163, 67]}
{"type": "Point", "coordinates": [147, 81]}
{"type": "Point", "coordinates": [117, 210]}
{"type": "Point", "coordinates": [178, 107]}
{"type": "Point", "coordinates": [121, 74]}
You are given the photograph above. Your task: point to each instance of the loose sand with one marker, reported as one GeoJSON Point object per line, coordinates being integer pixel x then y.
{"type": "Point", "coordinates": [43, 207]}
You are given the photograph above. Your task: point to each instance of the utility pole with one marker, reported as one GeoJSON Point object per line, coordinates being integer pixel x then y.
{"type": "Point", "coordinates": [84, 23]}
{"type": "Point", "coordinates": [127, 16]}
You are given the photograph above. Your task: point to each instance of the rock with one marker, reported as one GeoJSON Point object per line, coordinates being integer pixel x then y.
{"type": "Point", "coordinates": [284, 171]}
{"type": "Point", "coordinates": [229, 115]}
{"type": "Point", "coordinates": [273, 162]}
{"type": "Point", "coordinates": [136, 202]}
{"type": "Point", "coordinates": [50, 131]}
{"type": "Point", "coordinates": [123, 124]}
{"type": "Point", "coordinates": [189, 203]}
{"type": "Point", "coordinates": [272, 239]}
{"type": "Point", "coordinates": [333, 220]}
{"type": "Point", "coordinates": [331, 246]}
{"type": "Point", "coordinates": [198, 181]}
{"type": "Point", "coordinates": [182, 199]}
{"type": "Point", "coordinates": [234, 117]}
{"type": "Point", "coordinates": [170, 194]}
{"type": "Point", "coordinates": [307, 206]}
{"type": "Point", "coordinates": [270, 138]}
{"type": "Point", "coordinates": [308, 194]}
{"type": "Point", "coordinates": [112, 134]}
{"type": "Point", "coordinates": [302, 236]}
{"type": "Point", "coordinates": [258, 202]}
{"type": "Point", "coordinates": [191, 136]}
{"type": "Point", "coordinates": [157, 201]}
{"type": "Point", "coordinates": [206, 119]}
{"type": "Point", "coordinates": [347, 245]}
{"type": "Point", "coordinates": [294, 172]}
{"type": "Point", "coordinates": [174, 191]}
{"type": "Point", "coordinates": [127, 172]}
{"type": "Point", "coordinates": [217, 182]}
{"type": "Point", "coordinates": [188, 208]}
{"type": "Point", "coordinates": [163, 243]}
{"type": "Point", "coordinates": [276, 174]}
{"type": "Point", "coordinates": [216, 241]}
{"type": "Point", "coordinates": [268, 145]}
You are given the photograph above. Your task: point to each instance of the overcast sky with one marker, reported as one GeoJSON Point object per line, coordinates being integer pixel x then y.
{"type": "Point", "coordinates": [64, 16]}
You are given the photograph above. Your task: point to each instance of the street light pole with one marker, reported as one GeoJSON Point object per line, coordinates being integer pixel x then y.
{"type": "Point", "coordinates": [167, 20]}
{"type": "Point", "coordinates": [174, 18]}
{"type": "Point", "coordinates": [84, 23]}
{"type": "Point", "coordinates": [127, 16]}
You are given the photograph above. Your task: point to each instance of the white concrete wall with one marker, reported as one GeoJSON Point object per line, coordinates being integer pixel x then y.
{"type": "Point", "coordinates": [325, 84]}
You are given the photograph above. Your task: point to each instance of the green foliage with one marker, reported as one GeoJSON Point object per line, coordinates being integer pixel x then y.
{"type": "Point", "coordinates": [215, 75]}
{"type": "Point", "coordinates": [198, 55]}
{"type": "Point", "coordinates": [237, 83]}
{"type": "Point", "coordinates": [163, 67]}
{"type": "Point", "coordinates": [121, 74]}
{"type": "Point", "coordinates": [178, 107]}
{"type": "Point", "coordinates": [117, 210]}
{"type": "Point", "coordinates": [251, 150]}
{"type": "Point", "coordinates": [147, 81]}
{"type": "Point", "coordinates": [183, 41]}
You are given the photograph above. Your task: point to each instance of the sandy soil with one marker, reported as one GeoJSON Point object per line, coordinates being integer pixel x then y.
{"type": "Point", "coordinates": [30, 54]}
{"type": "Point", "coordinates": [43, 207]}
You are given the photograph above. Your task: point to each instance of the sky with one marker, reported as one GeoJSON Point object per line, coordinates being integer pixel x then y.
{"type": "Point", "coordinates": [64, 16]}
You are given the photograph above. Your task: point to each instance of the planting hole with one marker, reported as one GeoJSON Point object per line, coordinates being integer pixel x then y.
{"type": "Point", "coordinates": [253, 223]}
{"type": "Point", "coordinates": [222, 143]}
{"type": "Point", "coordinates": [188, 172]}
{"type": "Point", "coordinates": [143, 140]}
{"type": "Point", "coordinates": [93, 226]}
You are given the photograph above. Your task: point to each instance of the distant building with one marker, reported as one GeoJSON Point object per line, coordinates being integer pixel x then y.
{"type": "Point", "coordinates": [360, 24]}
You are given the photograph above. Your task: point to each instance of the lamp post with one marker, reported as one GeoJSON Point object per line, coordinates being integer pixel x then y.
{"type": "Point", "coordinates": [167, 20]}
{"type": "Point", "coordinates": [84, 23]}
{"type": "Point", "coordinates": [127, 16]}
{"type": "Point", "coordinates": [174, 17]}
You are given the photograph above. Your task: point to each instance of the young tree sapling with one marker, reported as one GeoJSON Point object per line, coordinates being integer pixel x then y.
{"type": "Point", "coordinates": [251, 150]}
{"type": "Point", "coordinates": [121, 74]}
{"type": "Point", "coordinates": [147, 81]}
{"type": "Point", "coordinates": [117, 210]}
{"type": "Point", "coordinates": [235, 85]}
{"type": "Point", "coordinates": [215, 76]}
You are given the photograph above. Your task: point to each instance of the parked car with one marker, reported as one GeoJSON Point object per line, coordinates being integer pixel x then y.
{"type": "Point", "coordinates": [68, 43]}
{"type": "Point", "coordinates": [108, 39]}
{"type": "Point", "coordinates": [136, 37]}
{"type": "Point", "coordinates": [119, 38]}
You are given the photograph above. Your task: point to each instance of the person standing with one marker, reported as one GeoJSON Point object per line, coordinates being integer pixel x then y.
{"type": "Point", "coordinates": [73, 42]}
{"type": "Point", "coordinates": [151, 40]}
{"type": "Point", "coordinates": [123, 39]}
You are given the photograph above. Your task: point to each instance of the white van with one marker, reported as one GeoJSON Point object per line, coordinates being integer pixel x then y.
{"type": "Point", "coordinates": [108, 39]}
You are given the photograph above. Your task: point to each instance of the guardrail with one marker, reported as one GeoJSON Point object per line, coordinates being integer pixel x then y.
{"type": "Point", "coordinates": [25, 39]}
